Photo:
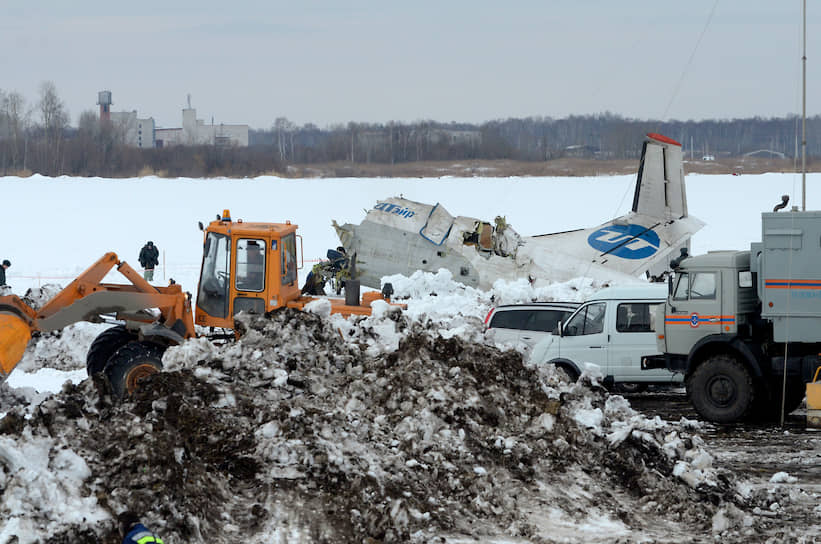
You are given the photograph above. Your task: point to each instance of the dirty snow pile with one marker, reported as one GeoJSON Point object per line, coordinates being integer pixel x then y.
{"type": "Point", "coordinates": [311, 428]}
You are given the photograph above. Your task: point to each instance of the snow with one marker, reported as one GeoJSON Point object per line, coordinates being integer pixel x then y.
{"type": "Point", "coordinates": [70, 222]}
{"type": "Point", "coordinates": [76, 220]}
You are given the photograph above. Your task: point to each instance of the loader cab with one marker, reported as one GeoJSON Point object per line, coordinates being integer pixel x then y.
{"type": "Point", "coordinates": [249, 267]}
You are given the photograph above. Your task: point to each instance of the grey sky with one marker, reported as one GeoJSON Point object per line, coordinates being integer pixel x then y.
{"type": "Point", "coordinates": [375, 61]}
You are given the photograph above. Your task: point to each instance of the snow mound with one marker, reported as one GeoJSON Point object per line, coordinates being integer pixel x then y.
{"type": "Point", "coordinates": [303, 431]}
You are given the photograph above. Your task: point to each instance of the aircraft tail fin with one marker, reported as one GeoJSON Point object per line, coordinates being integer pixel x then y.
{"type": "Point", "coordinates": [660, 190]}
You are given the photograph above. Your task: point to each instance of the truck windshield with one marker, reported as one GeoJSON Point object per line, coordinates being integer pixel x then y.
{"type": "Point", "coordinates": [695, 286]}
{"type": "Point", "coordinates": [212, 297]}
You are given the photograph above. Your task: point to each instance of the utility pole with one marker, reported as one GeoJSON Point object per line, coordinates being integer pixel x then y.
{"type": "Point", "coordinates": [804, 118]}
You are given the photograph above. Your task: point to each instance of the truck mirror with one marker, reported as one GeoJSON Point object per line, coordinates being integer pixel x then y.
{"type": "Point", "coordinates": [558, 330]}
{"type": "Point", "coordinates": [202, 227]}
{"type": "Point", "coordinates": [670, 285]}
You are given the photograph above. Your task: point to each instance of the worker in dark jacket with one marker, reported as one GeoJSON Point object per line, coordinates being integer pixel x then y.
{"type": "Point", "coordinates": [134, 532]}
{"type": "Point", "coordinates": [3, 267]}
{"type": "Point", "coordinates": [149, 258]}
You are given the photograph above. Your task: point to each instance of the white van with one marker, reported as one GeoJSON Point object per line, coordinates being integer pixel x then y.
{"type": "Point", "coordinates": [614, 329]}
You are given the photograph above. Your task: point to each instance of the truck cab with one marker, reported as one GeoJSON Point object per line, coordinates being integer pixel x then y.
{"type": "Point", "coordinates": [712, 296]}
{"type": "Point", "coordinates": [743, 326]}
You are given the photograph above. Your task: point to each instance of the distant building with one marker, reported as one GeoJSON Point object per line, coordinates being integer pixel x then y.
{"type": "Point", "coordinates": [133, 131]}
{"type": "Point", "coordinates": [195, 132]}
{"type": "Point", "coordinates": [143, 133]}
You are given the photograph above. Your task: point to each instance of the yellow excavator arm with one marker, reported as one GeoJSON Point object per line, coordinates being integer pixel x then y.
{"type": "Point", "coordinates": [87, 299]}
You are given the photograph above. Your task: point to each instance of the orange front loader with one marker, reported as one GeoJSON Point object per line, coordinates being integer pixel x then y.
{"type": "Point", "coordinates": [249, 267]}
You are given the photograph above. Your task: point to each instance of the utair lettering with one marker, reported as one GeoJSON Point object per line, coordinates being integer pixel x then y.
{"type": "Point", "coordinates": [387, 207]}
{"type": "Point", "coordinates": [625, 241]}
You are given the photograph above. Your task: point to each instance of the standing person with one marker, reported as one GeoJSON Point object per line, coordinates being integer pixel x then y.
{"type": "Point", "coordinates": [134, 532]}
{"type": "Point", "coordinates": [149, 258]}
{"type": "Point", "coordinates": [6, 264]}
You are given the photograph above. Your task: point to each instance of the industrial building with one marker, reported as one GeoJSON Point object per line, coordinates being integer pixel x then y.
{"type": "Point", "coordinates": [143, 132]}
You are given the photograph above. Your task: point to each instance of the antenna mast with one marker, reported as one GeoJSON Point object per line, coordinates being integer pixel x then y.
{"type": "Point", "coordinates": [804, 118]}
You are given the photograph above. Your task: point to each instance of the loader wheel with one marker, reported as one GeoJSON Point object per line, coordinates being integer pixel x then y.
{"type": "Point", "coordinates": [104, 346]}
{"type": "Point", "coordinates": [721, 389]}
{"type": "Point", "coordinates": [130, 364]}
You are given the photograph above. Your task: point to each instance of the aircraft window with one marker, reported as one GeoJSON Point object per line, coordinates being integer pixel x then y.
{"type": "Point", "coordinates": [588, 320]}
{"type": "Point", "coordinates": [635, 317]}
{"type": "Point", "coordinates": [250, 273]}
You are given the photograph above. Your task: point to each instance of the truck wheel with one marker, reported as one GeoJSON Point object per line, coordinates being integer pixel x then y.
{"type": "Point", "coordinates": [130, 364]}
{"type": "Point", "coordinates": [104, 346]}
{"type": "Point", "coordinates": [721, 389]}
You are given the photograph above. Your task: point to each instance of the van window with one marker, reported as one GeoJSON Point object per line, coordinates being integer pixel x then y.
{"type": "Point", "coordinates": [635, 317]}
{"type": "Point", "coordinates": [513, 319]}
{"type": "Point", "coordinates": [545, 320]}
{"type": "Point", "coordinates": [588, 320]}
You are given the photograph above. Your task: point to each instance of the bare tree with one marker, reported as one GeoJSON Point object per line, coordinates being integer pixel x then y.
{"type": "Point", "coordinates": [284, 135]}
{"type": "Point", "coordinates": [54, 119]}
{"type": "Point", "coordinates": [16, 121]}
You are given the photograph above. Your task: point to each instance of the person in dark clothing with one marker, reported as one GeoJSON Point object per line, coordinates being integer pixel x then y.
{"type": "Point", "coordinates": [134, 532]}
{"type": "Point", "coordinates": [149, 258]}
{"type": "Point", "coordinates": [6, 264]}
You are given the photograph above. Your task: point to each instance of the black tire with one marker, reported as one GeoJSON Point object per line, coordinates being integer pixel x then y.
{"type": "Point", "coordinates": [571, 373]}
{"type": "Point", "coordinates": [768, 402]}
{"type": "Point", "coordinates": [131, 363]}
{"type": "Point", "coordinates": [630, 387]}
{"type": "Point", "coordinates": [721, 389]}
{"type": "Point", "coordinates": [104, 346]}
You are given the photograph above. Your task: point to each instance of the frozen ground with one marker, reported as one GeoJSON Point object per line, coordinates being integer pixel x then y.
{"type": "Point", "coordinates": [390, 428]}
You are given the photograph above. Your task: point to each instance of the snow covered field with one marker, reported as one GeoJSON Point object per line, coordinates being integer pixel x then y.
{"type": "Point", "coordinates": [55, 228]}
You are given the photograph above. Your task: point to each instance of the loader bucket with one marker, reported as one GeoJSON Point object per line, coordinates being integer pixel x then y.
{"type": "Point", "coordinates": [14, 337]}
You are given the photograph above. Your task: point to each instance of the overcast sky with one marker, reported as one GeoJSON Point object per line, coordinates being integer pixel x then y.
{"type": "Point", "coordinates": [250, 62]}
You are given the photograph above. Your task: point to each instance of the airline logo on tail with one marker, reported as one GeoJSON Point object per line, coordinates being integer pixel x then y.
{"type": "Point", "coordinates": [626, 241]}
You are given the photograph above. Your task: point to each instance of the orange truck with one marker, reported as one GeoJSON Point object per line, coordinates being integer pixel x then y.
{"type": "Point", "coordinates": [246, 266]}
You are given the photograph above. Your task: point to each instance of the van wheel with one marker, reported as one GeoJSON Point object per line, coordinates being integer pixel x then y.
{"type": "Point", "coordinates": [131, 363]}
{"type": "Point", "coordinates": [631, 387]}
{"type": "Point", "coordinates": [567, 371]}
{"type": "Point", "coordinates": [721, 389]}
{"type": "Point", "coordinates": [104, 346]}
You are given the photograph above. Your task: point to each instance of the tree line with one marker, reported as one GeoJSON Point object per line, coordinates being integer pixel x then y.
{"type": "Point", "coordinates": [36, 137]}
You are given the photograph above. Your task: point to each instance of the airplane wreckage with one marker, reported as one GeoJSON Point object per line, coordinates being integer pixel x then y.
{"type": "Point", "coordinates": [400, 236]}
